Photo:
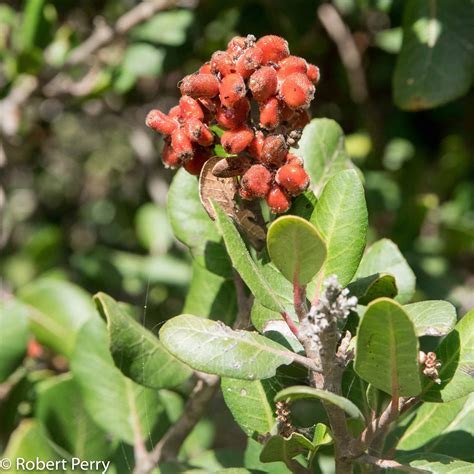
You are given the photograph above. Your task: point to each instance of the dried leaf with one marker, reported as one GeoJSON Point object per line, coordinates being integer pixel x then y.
{"type": "Point", "coordinates": [220, 190]}
{"type": "Point", "coordinates": [250, 221]}
{"type": "Point", "coordinates": [231, 166]}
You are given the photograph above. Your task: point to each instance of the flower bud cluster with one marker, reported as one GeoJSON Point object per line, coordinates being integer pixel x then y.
{"type": "Point", "coordinates": [333, 305]}
{"type": "Point", "coordinates": [221, 93]}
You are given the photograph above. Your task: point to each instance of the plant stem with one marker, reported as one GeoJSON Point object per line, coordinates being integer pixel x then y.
{"type": "Point", "coordinates": [388, 464]}
{"type": "Point", "coordinates": [168, 447]}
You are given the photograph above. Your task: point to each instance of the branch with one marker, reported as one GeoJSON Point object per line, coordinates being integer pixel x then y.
{"type": "Point", "coordinates": [377, 429]}
{"type": "Point", "coordinates": [168, 447]}
{"type": "Point", "coordinates": [347, 48]}
{"type": "Point", "coordinates": [388, 464]}
{"type": "Point", "coordinates": [104, 34]}
{"type": "Point", "coordinates": [10, 106]}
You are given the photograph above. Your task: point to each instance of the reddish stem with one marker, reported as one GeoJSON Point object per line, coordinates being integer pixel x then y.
{"type": "Point", "coordinates": [299, 298]}
{"type": "Point", "coordinates": [289, 321]}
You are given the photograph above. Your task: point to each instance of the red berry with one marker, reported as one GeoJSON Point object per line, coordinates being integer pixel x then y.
{"type": "Point", "coordinates": [313, 73]}
{"type": "Point", "coordinates": [237, 46]}
{"type": "Point", "coordinates": [190, 108]}
{"type": "Point", "coordinates": [231, 90]}
{"type": "Point", "coordinates": [233, 117]}
{"type": "Point", "coordinates": [175, 113]}
{"type": "Point", "coordinates": [249, 62]}
{"type": "Point", "coordinates": [274, 150]}
{"type": "Point", "coordinates": [256, 181]}
{"type": "Point", "coordinates": [294, 159]}
{"type": "Point", "coordinates": [169, 157]}
{"type": "Point", "coordinates": [198, 132]}
{"type": "Point", "coordinates": [274, 49]}
{"type": "Point", "coordinates": [291, 65]}
{"type": "Point", "coordinates": [293, 178]}
{"type": "Point", "coordinates": [209, 104]}
{"type": "Point", "coordinates": [222, 63]}
{"type": "Point", "coordinates": [270, 113]}
{"type": "Point", "coordinates": [200, 85]}
{"type": "Point", "coordinates": [285, 112]}
{"type": "Point", "coordinates": [34, 349]}
{"type": "Point", "coordinates": [255, 148]}
{"type": "Point", "coordinates": [195, 164]}
{"type": "Point", "coordinates": [297, 90]}
{"type": "Point", "coordinates": [245, 194]}
{"type": "Point", "coordinates": [299, 119]}
{"type": "Point", "coordinates": [160, 122]}
{"type": "Point", "coordinates": [181, 144]}
{"type": "Point", "coordinates": [237, 140]}
{"type": "Point", "coordinates": [205, 68]}
{"type": "Point", "coordinates": [277, 200]}
{"type": "Point", "coordinates": [263, 83]}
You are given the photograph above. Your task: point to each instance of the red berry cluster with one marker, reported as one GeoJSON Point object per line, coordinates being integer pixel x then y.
{"type": "Point", "coordinates": [220, 93]}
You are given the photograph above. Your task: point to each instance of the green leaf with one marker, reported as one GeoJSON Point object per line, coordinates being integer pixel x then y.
{"type": "Point", "coordinates": [150, 269]}
{"type": "Point", "coordinates": [296, 248]}
{"type": "Point", "coordinates": [303, 205]}
{"type": "Point", "coordinates": [168, 28]}
{"type": "Point", "coordinates": [438, 38]}
{"type": "Point", "coordinates": [251, 403]}
{"type": "Point", "coordinates": [153, 228]}
{"type": "Point", "coordinates": [61, 410]}
{"type": "Point", "coordinates": [252, 460]}
{"type": "Point", "coordinates": [31, 24]}
{"type": "Point", "coordinates": [215, 348]}
{"type": "Point", "coordinates": [372, 287]}
{"type": "Point", "coordinates": [211, 296]}
{"type": "Point", "coordinates": [443, 428]}
{"type": "Point", "coordinates": [192, 226]}
{"type": "Point", "coordinates": [261, 315]}
{"type": "Point", "coordinates": [142, 59]}
{"type": "Point", "coordinates": [30, 442]}
{"type": "Point", "coordinates": [301, 391]}
{"type": "Point", "coordinates": [322, 148]}
{"type": "Point", "coordinates": [243, 263]}
{"type": "Point", "coordinates": [387, 349]}
{"type": "Point", "coordinates": [114, 402]}
{"type": "Point", "coordinates": [341, 218]}
{"type": "Point", "coordinates": [384, 257]}
{"type": "Point", "coordinates": [136, 351]}
{"type": "Point", "coordinates": [278, 448]}
{"type": "Point", "coordinates": [14, 331]}
{"type": "Point", "coordinates": [436, 464]}
{"type": "Point", "coordinates": [60, 309]}
{"type": "Point", "coordinates": [432, 318]}
{"type": "Point", "coordinates": [321, 437]}
{"type": "Point", "coordinates": [456, 353]}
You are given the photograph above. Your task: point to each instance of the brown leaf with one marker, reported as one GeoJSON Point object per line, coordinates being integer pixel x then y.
{"type": "Point", "coordinates": [221, 190]}
{"type": "Point", "coordinates": [251, 223]}
{"type": "Point", "coordinates": [229, 167]}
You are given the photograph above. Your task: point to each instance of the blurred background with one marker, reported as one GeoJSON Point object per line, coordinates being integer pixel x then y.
{"type": "Point", "coordinates": [83, 191]}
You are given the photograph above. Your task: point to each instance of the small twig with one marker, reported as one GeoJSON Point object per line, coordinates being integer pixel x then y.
{"type": "Point", "coordinates": [244, 303]}
{"type": "Point", "coordinates": [387, 464]}
{"type": "Point", "coordinates": [347, 48]}
{"type": "Point", "coordinates": [169, 445]}
{"type": "Point", "coordinates": [104, 34]}
{"type": "Point", "coordinates": [290, 323]}
{"type": "Point", "coordinates": [10, 106]}
{"type": "Point", "coordinates": [306, 362]}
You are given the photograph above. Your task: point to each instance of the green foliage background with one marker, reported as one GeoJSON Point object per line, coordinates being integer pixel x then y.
{"type": "Point", "coordinates": [83, 192]}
